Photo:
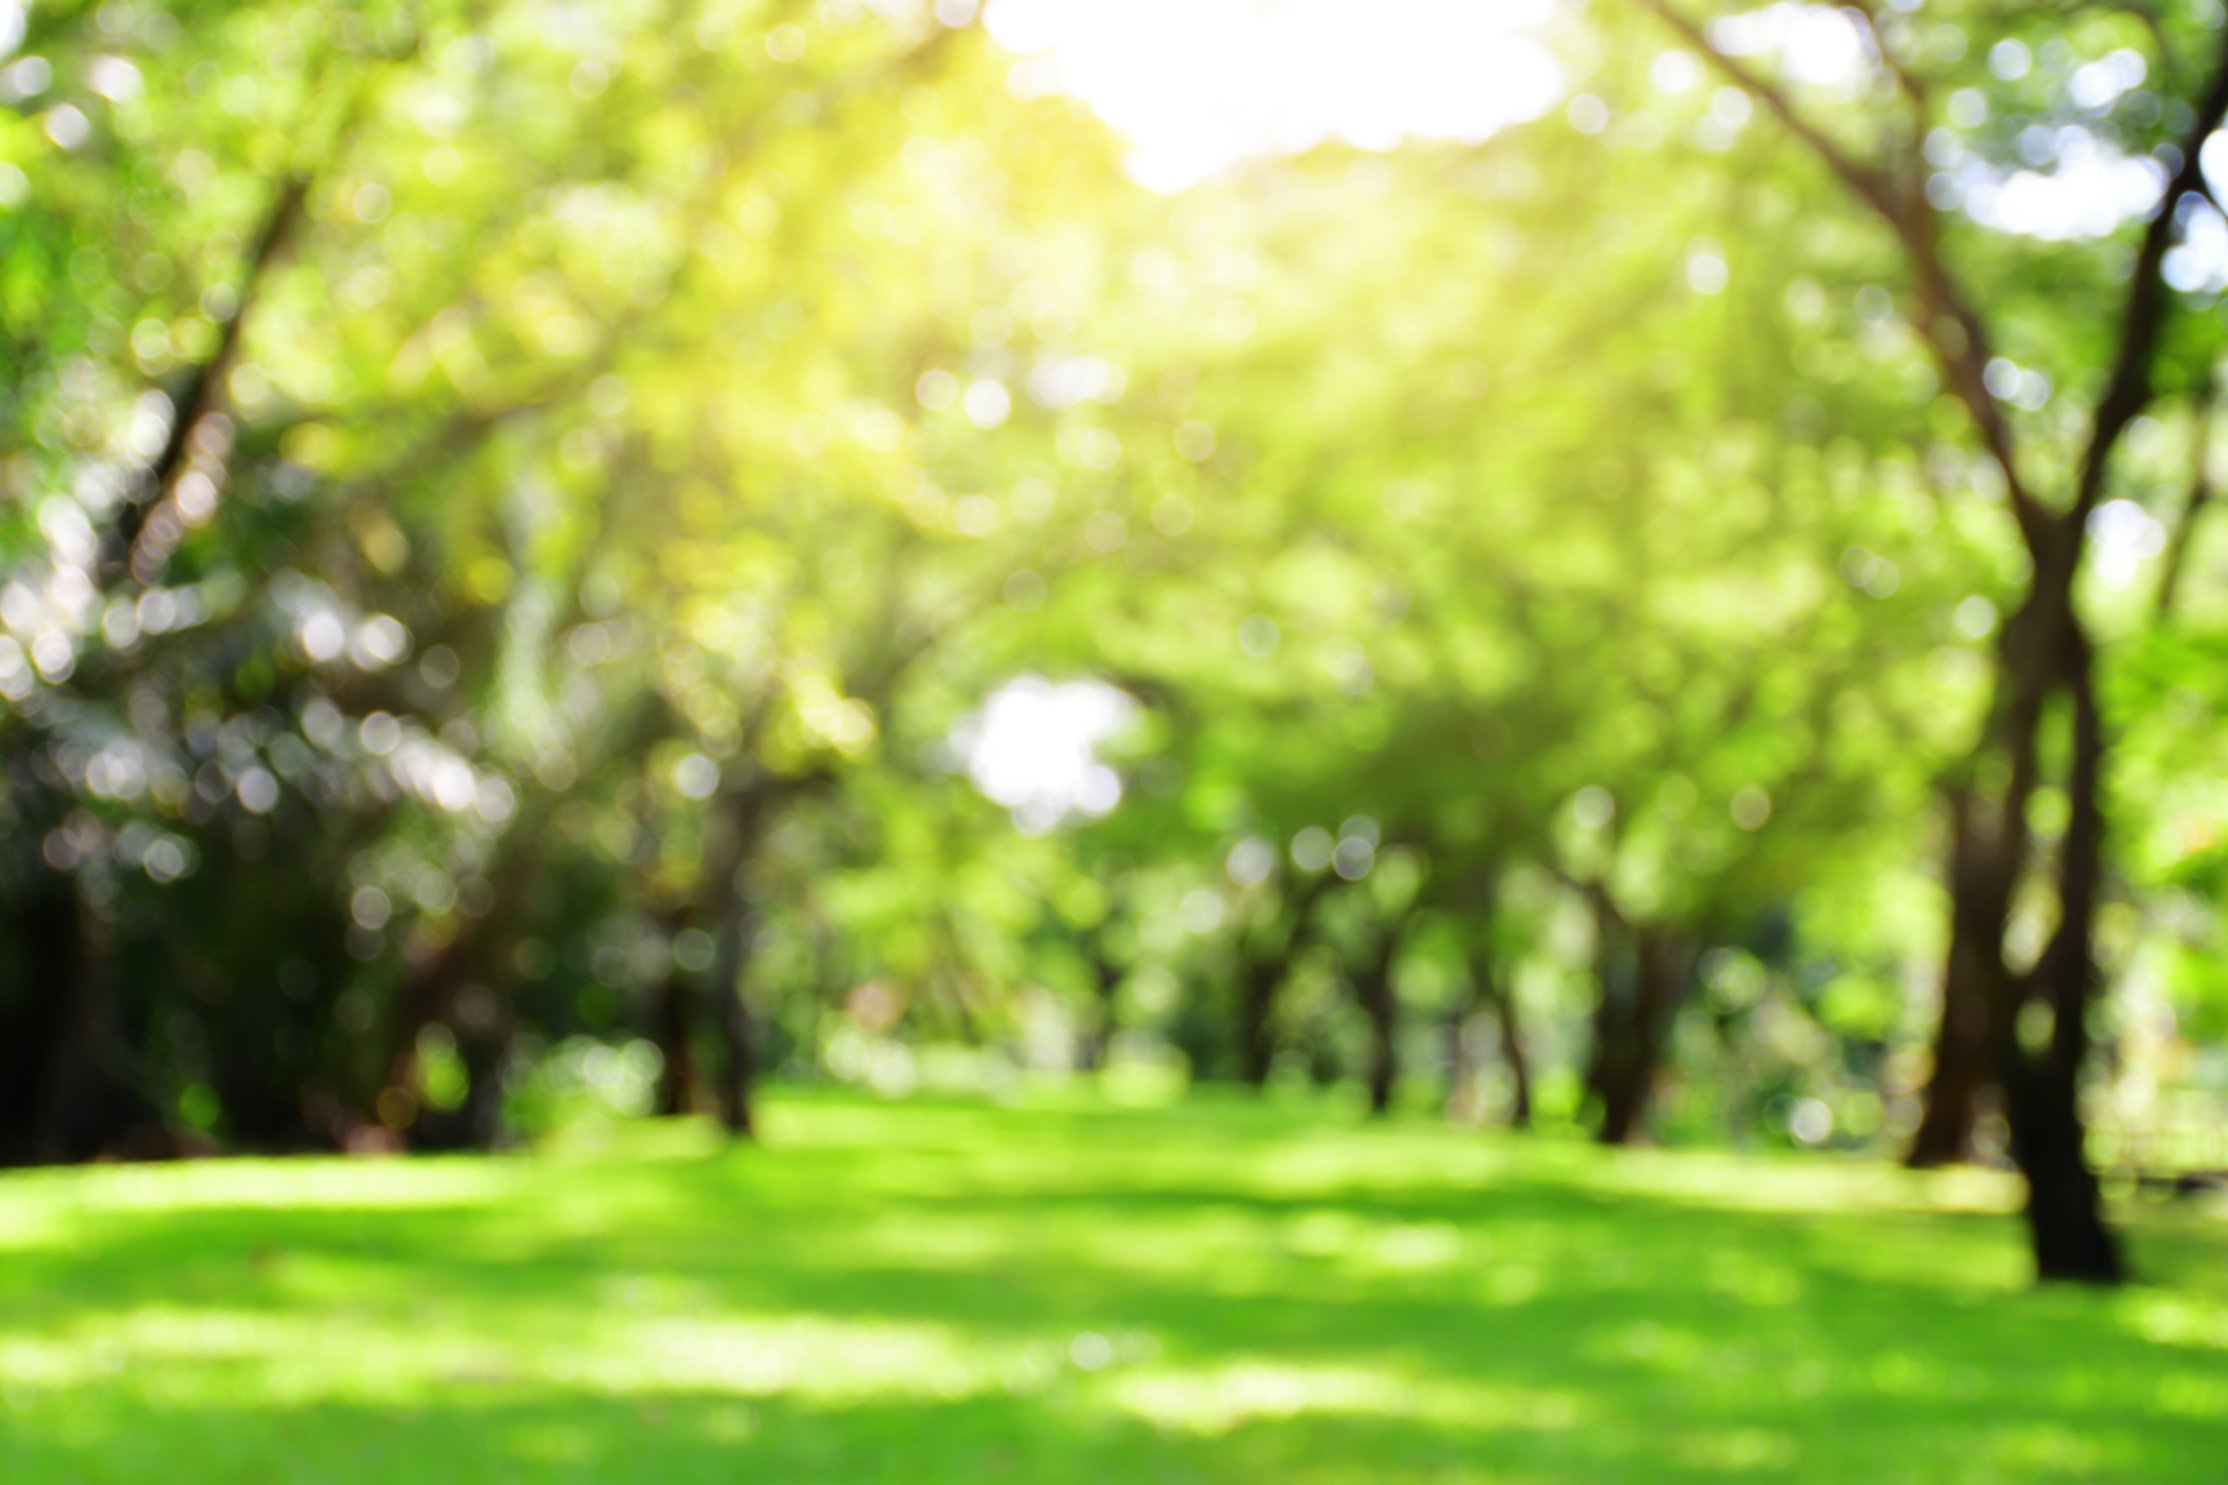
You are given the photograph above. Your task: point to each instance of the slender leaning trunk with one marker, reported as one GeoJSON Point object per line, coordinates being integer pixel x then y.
{"type": "Point", "coordinates": [1489, 992]}
{"type": "Point", "coordinates": [732, 1019]}
{"type": "Point", "coordinates": [1512, 1052]}
{"type": "Point", "coordinates": [1630, 1038]}
{"type": "Point", "coordinates": [1106, 982]}
{"type": "Point", "coordinates": [732, 942]}
{"type": "Point", "coordinates": [2041, 1072]}
{"type": "Point", "coordinates": [2038, 1017]}
{"type": "Point", "coordinates": [1257, 1018]}
{"type": "Point", "coordinates": [1961, 1049]}
{"type": "Point", "coordinates": [675, 1031]}
{"type": "Point", "coordinates": [1380, 1006]}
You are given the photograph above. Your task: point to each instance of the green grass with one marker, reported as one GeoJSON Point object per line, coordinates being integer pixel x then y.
{"type": "Point", "coordinates": [935, 1292]}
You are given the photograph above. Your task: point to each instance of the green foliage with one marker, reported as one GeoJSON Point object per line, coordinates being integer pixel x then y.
{"type": "Point", "coordinates": [513, 518]}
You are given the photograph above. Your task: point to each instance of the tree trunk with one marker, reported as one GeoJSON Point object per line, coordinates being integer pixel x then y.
{"type": "Point", "coordinates": [1488, 990]}
{"type": "Point", "coordinates": [1961, 1050]}
{"type": "Point", "coordinates": [1099, 1036]}
{"type": "Point", "coordinates": [483, 1044]}
{"type": "Point", "coordinates": [1487, 993]}
{"type": "Point", "coordinates": [478, 953]}
{"type": "Point", "coordinates": [1257, 1018]}
{"type": "Point", "coordinates": [2042, 1085]}
{"type": "Point", "coordinates": [32, 1003]}
{"type": "Point", "coordinates": [731, 1017]}
{"type": "Point", "coordinates": [730, 893]}
{"type": "Point", "coordinates": [674, 1029]}
{"type": "Point", "coordinates": [1505, 1017]}
{"type": "Point", "coordinates": [484, 1048]}
{"type": "Point", "coordinates": [2044, 652]}
{"type": "Point", "coordinates": [82, 1107]}
{"type": "Point", "coordinates": [1262, 972]}
{"type": "Point", "coordinates": [1629, 1034]}
{"type": "Point", "coordinates": [1374, 988]}
{"type": "Point", "coordinates": [2176, 557]}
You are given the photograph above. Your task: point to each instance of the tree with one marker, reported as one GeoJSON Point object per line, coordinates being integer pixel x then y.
{"type": "Point", "coordinates": [2033, 1017]}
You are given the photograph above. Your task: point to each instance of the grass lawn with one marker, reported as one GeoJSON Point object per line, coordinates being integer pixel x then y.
{"type": "Point", "coordinates": [932, 1292]}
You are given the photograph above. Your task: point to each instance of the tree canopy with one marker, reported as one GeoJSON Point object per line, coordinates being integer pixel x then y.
{"type": "Point", "coordinates": [578, 555]}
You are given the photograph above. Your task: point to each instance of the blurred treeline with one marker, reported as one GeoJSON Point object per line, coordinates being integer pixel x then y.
{"type": "Point", "coordinates": [514, 517]}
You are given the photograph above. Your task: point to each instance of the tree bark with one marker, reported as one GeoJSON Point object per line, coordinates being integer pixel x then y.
{"type": "Point", "coordinates": [1630, 1030]}
{"type": "Point", "coordinates": [731, 1017]}
{"type": "Point", "coordinates": [1374, 988]}
{"type": "Point", "coordinates": [674, 1030]}
{"type": "Point", "coordinates": [1262, 972]}
{"type": "Point", "coordinates": [484, 1046]}
{"type": "Point", "coordinates": [81, 1107]}
{"type": "Point", "coordinates": [32, 1003]}
{"type": "Point", "coordinates": [1256, 1018]}
{"type": "Point", "coordinates": [2045, 655]}
{"type": "Point", "coordinates": [202, 390]}
{"type": "Point", "coordinates": [1961, 1049]}
{"type": "Point", "coordinates": [1106, 983]}
{"type": "Point", "coordinates": [1506, 1018]}
{"type": "Point", "coordinates": [2176, 557]}
{"type": "Point", "coordinates": [2042, 1083]}
{"type": "Point", "coordinates": [730, 894]}
{"type": "Point", "coordinates": [1488, 993]}
{"type": "Point", "coordinates": [439, 989]}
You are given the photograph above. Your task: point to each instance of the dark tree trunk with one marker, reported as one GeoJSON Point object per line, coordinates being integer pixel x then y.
{"type": "Point", "coordinates": [674, 1031]}
{"type": "Point", "coordinates": [1950, 1110]}
{"type": "Point", "coordinates": [2038, 1019]}
{"type": "Point", "coordinates": [432, 998]}
{"type": "Point", "coordinates": [1488, 993]}
{"type": "Point", "coordinates": [1630, 1029]}
{"type": "Point", "coordinates": [1107, 983]}
{"type": "Point", "coordinates": [484, 1048]}
{"type": "Point", "coordinates": [463, 970]}
{"type": "Point", "coordinates": [2201, 494]}
{"type": "Point", "coordinates": [33, 1000]}
{"type": "Point", "coordinates": [1961, 1051]}
{"type": "Point", "coordinates": [2065, 1219]}
{"type": "Point", "coordinates": [2042, 1084]}
{"type": "Point", "coordinates": [1257, 996]}
{"type": "Point", "coordinates": [1262, 971]}
{"type": "Point", "coordinates": [258, 1090]}
{"type": "Point", "coordinates": [1487, 989]}
{"type": "Point", "coordinates": [727, 888]}
{"type": "Point", "coordinates": [1374, 988]}
{"type": "Point", "coordinates": [1505, 1017]}
{"type": "Point", "coordinates": [83, 1105]}
{"type": "Point", "coordinates": [731, 1018]}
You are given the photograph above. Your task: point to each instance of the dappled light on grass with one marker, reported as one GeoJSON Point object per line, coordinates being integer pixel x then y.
{"type": "Point", "coordinates": [1217, 1399]}
{"type": "Point", "coordinates": [943, 1291]}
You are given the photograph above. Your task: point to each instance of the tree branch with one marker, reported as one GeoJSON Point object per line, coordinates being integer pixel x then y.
{"type": "Point", "coordinates": [2148, 304]}
{"type": "Point", "coordinates": [1867, 181]}
{"type": "Point", "coordinates": [2201, 494]}
{"type": "Point", "coordinates": [203, 389]}
{"type": "Point", "coordinates": [1951, 328]}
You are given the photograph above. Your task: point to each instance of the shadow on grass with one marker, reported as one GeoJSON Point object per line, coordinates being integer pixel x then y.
{"type": "Point", "coordinates": [925, 1293]}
